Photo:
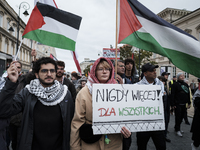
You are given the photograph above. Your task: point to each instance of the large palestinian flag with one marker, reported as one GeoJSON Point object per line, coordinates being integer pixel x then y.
{"type": "Point", "coordinates": [143, 29]}
{"type": "Point", "coordinates": [53, 27]}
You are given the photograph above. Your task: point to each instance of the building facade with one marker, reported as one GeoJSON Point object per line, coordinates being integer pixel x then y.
{"type": "Point", "coordinates": [8, 40]}
{"type": "Point", "coordinates": [85, 63]}
{"type": "Point", "coordinates": [188, 21]}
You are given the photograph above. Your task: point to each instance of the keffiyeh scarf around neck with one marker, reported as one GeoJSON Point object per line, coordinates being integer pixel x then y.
{"type": "Point", "coordinates": [48, 96]}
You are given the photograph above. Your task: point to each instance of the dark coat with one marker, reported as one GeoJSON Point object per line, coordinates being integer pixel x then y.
{"type": "Point", "coordinates": [11, 104]}
{"type": "Point", "coordinates": [195, 128]}
{"type": "Point", "coordinates": [127, 81]}
{"type": "Point", "coordinates": [71, 87]}
{"type": "Point", "coordinates": [3, 124]}
{"type": "Point", "coordinates": [179, 95]}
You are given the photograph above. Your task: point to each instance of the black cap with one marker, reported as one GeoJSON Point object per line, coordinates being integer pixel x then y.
{"type": "Point", "coordinates": [174, 76]}
{"type": "Point", "coordinates": [165, 73]}
{"type": "Point", "coordinates": [149, 67]}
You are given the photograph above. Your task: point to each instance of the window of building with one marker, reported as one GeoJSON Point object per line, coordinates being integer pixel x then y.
{"type": "Point", "coordinates": [8, 25]}
{"type": "Point", "coordinates": [13, 33]}
{"type": "Point", "coordinates": [28, 57]}
{"type": "Point", "coordinates": [5, 47]}
{"type": "Point", "coordinates": [22, 55]}
{"type": "Point", "coordinates": [186, 75]}
{"type": "Point", "coordinates": [11, 50]}
{"type": "Point", "coordinates": [174, 71]}
{"type": "Point", "coordinates": [25, 56]}
{"type": "Point", "coordinates": [1, 20]}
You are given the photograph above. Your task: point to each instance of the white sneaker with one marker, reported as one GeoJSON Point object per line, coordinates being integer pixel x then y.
{"type": "Point", "coordinates": [179, 133]}
{"type": "Point", "coordinates": [194, 147]}
{"type": "Point", "coordinates": [182, 131]}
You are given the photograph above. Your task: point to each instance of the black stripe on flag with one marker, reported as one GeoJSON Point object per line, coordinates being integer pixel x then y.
{"type": "Point", "coordinates": [60, 15]}
{"type": "Point", "coordinates": [142, 11]}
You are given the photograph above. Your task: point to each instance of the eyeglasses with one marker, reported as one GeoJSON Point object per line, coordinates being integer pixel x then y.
{"type": "Point", "coordinates": [103, 69]}
{"type": "Point", "coordinates": [47, 70]}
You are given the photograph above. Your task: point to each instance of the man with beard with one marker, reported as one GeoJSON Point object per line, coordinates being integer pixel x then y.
{"type": "Point", "coordinates": [47, 107]}
{"type": "Point", "coordinates": [63, 80]}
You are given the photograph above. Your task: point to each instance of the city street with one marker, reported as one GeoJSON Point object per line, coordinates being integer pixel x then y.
{"type": "Point", "coordinates": [177, 143]}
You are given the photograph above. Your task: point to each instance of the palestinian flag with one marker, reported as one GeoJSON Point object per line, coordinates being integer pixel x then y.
{"type": "Point", "coordinates": [53, 27]}
{"type": "Point", "coordinates": [53, 57]}
{"type": "Point", "coordinates": [141, 28]}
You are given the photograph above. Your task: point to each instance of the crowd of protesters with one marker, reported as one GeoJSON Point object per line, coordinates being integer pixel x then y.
{"type": "Point", "coordinates": [47, 109]}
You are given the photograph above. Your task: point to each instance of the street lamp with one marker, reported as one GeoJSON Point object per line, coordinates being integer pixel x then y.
{"type": "Point", "coordinates": [26, 6]}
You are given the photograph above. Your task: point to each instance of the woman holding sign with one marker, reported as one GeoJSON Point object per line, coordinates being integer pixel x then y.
{"type": "Point", "coordinates": [82, 137]}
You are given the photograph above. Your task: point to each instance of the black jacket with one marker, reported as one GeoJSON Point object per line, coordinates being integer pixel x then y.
{"type": "Point", "coordinates": [71, 87]}
{"type": "Point", "coordinates": [179, 95]}
{"type": "Point", "coordinates": [11, 104]}
{"type": "Point", "coordinates": [3, 124]}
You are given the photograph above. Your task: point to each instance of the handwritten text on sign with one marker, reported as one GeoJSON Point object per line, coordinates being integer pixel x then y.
{"type": "Point", "coordinates": [138, 107]}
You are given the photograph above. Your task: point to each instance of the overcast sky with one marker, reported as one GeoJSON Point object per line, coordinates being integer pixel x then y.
{"type": "Point", "coordinates": [97, 30]}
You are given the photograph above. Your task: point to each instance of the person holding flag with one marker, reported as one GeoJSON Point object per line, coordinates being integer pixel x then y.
{"type": "Point", "coordinates": [46, 105]}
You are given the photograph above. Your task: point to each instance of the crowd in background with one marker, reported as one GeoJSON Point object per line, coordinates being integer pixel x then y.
{"type": "Point", "coordinates": [24, 97]}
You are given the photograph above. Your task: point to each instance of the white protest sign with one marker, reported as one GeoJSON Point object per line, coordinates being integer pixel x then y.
{"type": "Point", "coordinates": [110, 53]}
{"type": "Point", "coordinates": [137, 107]}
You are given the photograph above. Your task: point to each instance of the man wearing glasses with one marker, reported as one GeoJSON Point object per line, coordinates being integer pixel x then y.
{"type": "Point", "coordinates": [47, 107]}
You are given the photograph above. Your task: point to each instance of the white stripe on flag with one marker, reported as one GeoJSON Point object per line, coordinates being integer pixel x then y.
{"type": "Point", "coordinates": [171, 39]}
{"type": "Point", "coordinates": [54, 26]}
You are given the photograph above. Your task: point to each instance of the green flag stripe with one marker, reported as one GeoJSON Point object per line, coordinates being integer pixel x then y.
{"type": "Point", "coordinates": [51, 39]}
{"type": "Point", "coordinates": [181, 60]}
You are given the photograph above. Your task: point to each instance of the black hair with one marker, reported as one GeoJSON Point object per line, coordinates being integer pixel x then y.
{"type": "Point", "coordinates": [20, 63]}
{"type": "Point", "coordinates": [44, 60]}
{"type": "Point", "coordinates": [60, 63]}
{"type": "Point", "coordinates": [130, 60]}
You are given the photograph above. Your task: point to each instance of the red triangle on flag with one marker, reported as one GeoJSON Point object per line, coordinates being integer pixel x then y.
{"type": "Point", "coordinates": [128, 21]}
{"type": "Point", "coordinates": [35, 22]}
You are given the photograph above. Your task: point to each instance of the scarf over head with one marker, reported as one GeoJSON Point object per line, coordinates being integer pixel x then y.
{"type": "Point", "coordinates": [92, 76]}
{"type": "Point", "coordinates": [48, 96]}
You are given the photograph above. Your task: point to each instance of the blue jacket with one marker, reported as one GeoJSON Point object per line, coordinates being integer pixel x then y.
{"type": "Point", "coordinates": [127, 81]}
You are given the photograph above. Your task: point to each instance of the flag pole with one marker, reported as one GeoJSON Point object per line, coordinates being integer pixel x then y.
{"type": "Point", "coordinates": [116, 41]}
{"type": "Point", "coordinates": [15, 58]}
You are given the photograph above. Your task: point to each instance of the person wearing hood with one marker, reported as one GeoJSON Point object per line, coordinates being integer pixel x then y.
{"type": "Point", "coordinates": [82, 138]}
{"type": "Point", "coordinates": [158, 137]}
{"type": "Point", "coordinates": [121, 79]}
{"type": "Point", "coordinates": [180, 96]}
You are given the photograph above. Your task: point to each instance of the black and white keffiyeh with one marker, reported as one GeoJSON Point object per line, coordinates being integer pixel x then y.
{"type": "Point", "coordinates": [48, 96]}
